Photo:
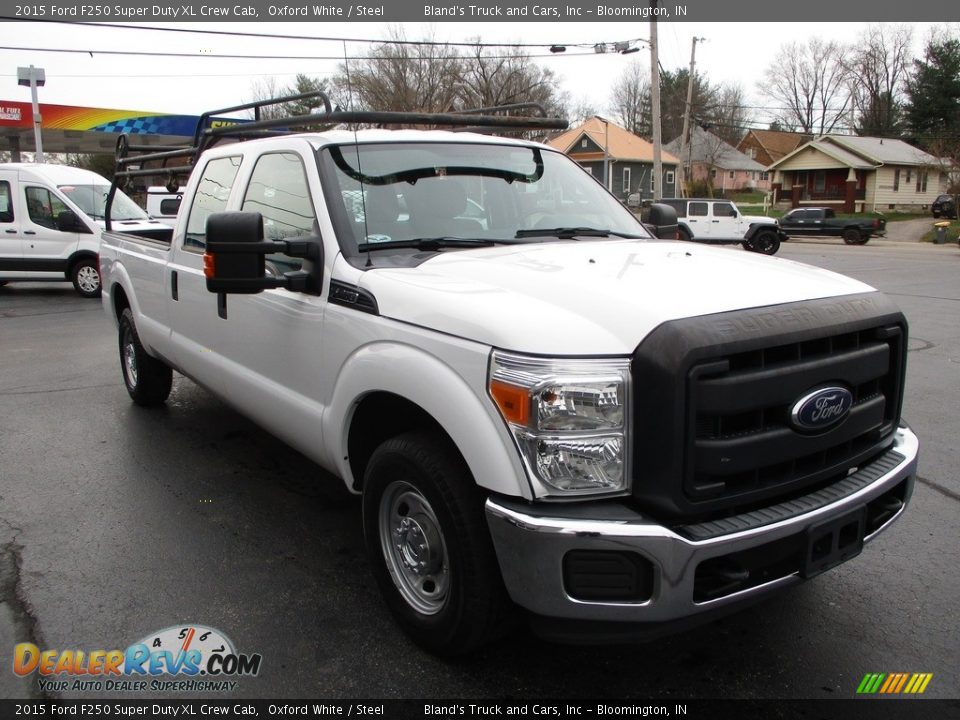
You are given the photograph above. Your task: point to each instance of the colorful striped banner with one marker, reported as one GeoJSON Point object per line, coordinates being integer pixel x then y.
{"type": "Point", "coordinates": [894, 683]}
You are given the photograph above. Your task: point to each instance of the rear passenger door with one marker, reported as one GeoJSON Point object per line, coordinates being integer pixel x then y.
{"type": "Point", "coordinates": [194, 322]}
{"type": "Point", "coordinates": [698, 219]}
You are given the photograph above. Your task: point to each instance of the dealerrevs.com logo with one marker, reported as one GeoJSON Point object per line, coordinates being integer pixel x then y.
{"type": "Point", "coordinates": [181, 658]}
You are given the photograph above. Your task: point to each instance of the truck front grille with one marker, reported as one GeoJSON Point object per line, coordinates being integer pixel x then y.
{"type": "Point", "coordinates": [714, 395]}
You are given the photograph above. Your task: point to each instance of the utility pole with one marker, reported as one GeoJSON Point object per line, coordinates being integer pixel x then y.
{"type": "Point", "coordinates": [33, 78]}
{"type": "Point", "coordinates": [655, 109]}
{"type": "Point", "coordinates": [685, 137]}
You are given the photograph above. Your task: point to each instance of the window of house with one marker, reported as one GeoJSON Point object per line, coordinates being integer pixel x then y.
{"type": "Point", "coordinates": [43, 207]}
{"type": "Point", "coordinates": [212, 194]}
{"type": "Point", "coordinates": [731, 174]}
{"type": "Point", "coordinates": [713, 173]}
{"type": "Point", "coordinates": [278, 190]}
{"type": "Point", "coordinates": [921, 181]}
{"type": "Point", "coordinates": [6, 202]}
{"type": "Point", "coordinates": [626, 180]}
{"type": "Point", "coordinates": [896, 180]}
{"type": "Point", "coordinates": [820, 180]}
{"type": "Point", "coordinates": [670, 177]}
{"type": "Point", "coordinates": [697, 209]}
{"type": "Point", "coordinates": [764, 176]}
{"type": "Point", "coordinates": [583, 143]}
{"type": "Point", "coordinates": [909, 174]}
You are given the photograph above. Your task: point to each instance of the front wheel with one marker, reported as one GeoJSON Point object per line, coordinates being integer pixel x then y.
{"type": "Point", "coordinates": [85, 276]}
{"type": "Point", "coordinates": [765, 241]}
{"type": "Point", "coordinates": [852, 236]}
{"type": "Point", "coordinates": [148, 380]}
{"type": "Point", "coordinates": [427, 541]}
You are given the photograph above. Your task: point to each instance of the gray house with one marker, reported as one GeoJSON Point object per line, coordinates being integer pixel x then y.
{"type": "Point", "coordinates": [629, 158]}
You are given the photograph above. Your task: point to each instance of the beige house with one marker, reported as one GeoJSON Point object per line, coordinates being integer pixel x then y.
{"type": "Point", "coordinates": [858, 174]}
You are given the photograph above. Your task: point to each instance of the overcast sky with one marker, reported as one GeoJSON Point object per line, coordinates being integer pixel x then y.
{"type": "Point", "coordinates": [732, 52]}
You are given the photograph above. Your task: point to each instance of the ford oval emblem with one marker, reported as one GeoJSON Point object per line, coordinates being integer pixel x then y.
{"type": "Point", "coordinates": [821, 409]}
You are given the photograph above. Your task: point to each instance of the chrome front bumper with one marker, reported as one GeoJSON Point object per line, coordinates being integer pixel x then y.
{"type": "Point", "coordinates": [531, 543]}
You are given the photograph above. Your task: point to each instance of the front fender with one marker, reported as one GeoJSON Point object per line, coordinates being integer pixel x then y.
{"type": "Point", "coordinates": [459, 406]}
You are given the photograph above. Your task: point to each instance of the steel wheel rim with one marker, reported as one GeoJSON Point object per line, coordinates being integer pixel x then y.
{"type": "Point", "coordinates": [88, 278]}
{"type": "Point", "coordinates": [129, 360]}
{"type": "Point", "coordinates": [414, 548]}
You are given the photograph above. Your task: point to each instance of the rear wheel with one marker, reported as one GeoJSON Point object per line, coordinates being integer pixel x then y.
{"type": "Point", "coordinates": [428, 544]}
{"type": "Point", "coordinates": [85, 276]}
{"type": "Point", "coordinates": [684, 234]}
{"type": "Point", "coordinates": [148, 380]}
{"type": "Point", "coordinates": [852, 236]}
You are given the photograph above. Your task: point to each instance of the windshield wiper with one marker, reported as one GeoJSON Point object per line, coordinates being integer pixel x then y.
{"type": "Point", "coordinates": [568, 233]}
{"type": "Point", "coordinates": [431, 243]}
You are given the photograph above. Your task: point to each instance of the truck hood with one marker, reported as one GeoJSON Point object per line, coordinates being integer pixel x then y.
{"type": "Point", "coordinates": [588, 297]}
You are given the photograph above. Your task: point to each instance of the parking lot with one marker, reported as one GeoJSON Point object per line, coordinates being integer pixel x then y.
{"type": "Point", "coordinates": [117, 522]}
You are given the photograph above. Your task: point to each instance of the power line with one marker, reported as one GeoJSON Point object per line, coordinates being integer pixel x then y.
{"type": "Point", "coordinates": [92, 52]}
{"type": "Point", "coordinates": [278, 36]}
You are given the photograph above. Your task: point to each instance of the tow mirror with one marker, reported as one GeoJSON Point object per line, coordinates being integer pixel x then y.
{"type": "Point", "coordinates": [663, 221]}
{"type": "Point", "coordinates": [235, 257]}
{"type": "Point", "coordinates": [234, 262]}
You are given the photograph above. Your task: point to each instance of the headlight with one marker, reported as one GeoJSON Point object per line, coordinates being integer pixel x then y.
{"type": "Point", "coordinates": [569, 420]}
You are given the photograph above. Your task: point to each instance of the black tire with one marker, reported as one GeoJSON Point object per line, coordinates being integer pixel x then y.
{"type": "Point", "coordinates": [852, 236]}
{"type": "Point", "coordinates": [684, 234]}
{"type": "Point", "coordinates": [85, 275]}
{"type": "Point", "coordinates": [429, 546]}
{"type": "Point", "coordinates": [147, 379]}
{"type": "Point", "coordinates": [766, 242]}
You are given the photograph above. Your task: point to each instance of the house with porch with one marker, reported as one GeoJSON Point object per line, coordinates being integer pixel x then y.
{"type": "Point", "coordinates": [628, 158]}
{"type": "Point", "coordinates": [710, 159]}
{"type": "Point", "coordinates": [858, 174]}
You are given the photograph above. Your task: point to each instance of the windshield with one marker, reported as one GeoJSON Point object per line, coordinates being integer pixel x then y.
{"type": "Point", "coordinates": [401, 192]}
{"type": "Point", "coordinates": [92, 199]}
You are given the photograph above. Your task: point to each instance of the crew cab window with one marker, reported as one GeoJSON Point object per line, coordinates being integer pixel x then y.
{"type": "Point", "coordinates": [43, 207]}
{"type": "Point", "coordinates": [697, 209]}
{"type": "Point", "coordinates": [278, 190]}
{"type": "Point", "coordinates": [213, 190]}
{"type": "Point", "coordinates": [6, 203]}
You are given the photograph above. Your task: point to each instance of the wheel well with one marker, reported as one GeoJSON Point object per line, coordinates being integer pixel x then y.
{"type": "Point", "coordinates": [82, 255]}
{"type": "Point", "coordinates": [379, 417]}
{"type": "Point", "coordinates": [119, 300]}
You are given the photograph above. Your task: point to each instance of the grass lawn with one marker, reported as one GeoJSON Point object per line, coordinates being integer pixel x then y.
{"type": "Point", "coordinates": [952, 232]}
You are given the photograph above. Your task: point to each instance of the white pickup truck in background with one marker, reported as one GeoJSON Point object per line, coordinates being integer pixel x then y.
{"type": "Point", "coordinates": [542, 405]}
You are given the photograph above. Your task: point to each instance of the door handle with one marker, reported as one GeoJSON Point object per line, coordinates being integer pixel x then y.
{"type": "Point", "coordinates": [10, 232]}
{"type": "Point", "coordinates": [174, 286]}
{"type": "Point", "coordinates": [716, 221]}
{"type": "Point", "coordinates": [29, 232]}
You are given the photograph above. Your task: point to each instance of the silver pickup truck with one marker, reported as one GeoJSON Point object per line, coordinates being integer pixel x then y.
{"type": "Point", "coordinates": [541, 404]}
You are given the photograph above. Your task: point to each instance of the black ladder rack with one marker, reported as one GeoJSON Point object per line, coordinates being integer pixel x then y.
{"type": "Point", "coordinates": [173, 163]}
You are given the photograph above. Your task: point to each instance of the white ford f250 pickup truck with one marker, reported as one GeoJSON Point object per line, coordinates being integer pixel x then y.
{"type": "Point", "coordinates": [541, 404]}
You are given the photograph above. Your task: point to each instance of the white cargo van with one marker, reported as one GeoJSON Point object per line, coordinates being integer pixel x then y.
{"type": "Point", "coordinates": [51, 217]}
{"type": "Point", "coordinates": [163, 205]}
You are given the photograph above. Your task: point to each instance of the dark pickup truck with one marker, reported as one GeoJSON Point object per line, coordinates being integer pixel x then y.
{"type": "Point", "coordinates": [823, 221]}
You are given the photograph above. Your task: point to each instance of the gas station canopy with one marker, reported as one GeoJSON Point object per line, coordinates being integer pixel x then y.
{"type": "Point", "coordinates": [69, 129]}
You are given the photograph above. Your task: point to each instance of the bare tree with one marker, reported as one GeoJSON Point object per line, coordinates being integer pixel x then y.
{"type": "Point", "coordinates": [503, 78]}
{"type": "Point", "coordinates": [810, 82]}
{"type": "Point", "coordinates": [729, 116]}
{"type": "Point", "coordinates": [630, 99]}
{"type": "Point", "coordinates": [406, 77]}
{"type": "Point", "coordinates": [877, 71]}
{"type": "Point", "coordinates": [581, 110]}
